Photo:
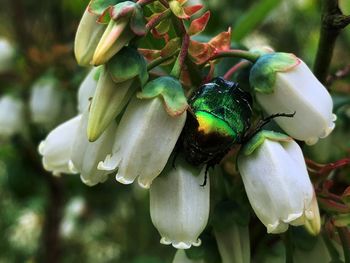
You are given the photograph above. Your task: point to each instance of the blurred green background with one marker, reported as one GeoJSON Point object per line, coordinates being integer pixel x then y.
{"type": "Point", "coordinates": [46, 219]}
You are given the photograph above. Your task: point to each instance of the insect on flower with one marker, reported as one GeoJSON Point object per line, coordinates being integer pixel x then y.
{"type": "Point", "coordinates": [221, 115]}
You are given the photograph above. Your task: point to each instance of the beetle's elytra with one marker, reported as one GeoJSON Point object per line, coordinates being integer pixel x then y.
{"type": "Point", "coordinates": [220, 116]}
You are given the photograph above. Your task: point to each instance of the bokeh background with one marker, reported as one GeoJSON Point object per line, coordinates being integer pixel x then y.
{"type": "Point", "coordinates": [59, 219]}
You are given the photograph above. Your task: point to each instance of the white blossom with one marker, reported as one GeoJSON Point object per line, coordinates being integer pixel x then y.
{"type": "Point", "coordinates": [144, 141]}
{"type": "Point", "coordinates": [56, 148]}
{"type": "Point", "coordinates": [87, 90]}
{"type": "Point", "coordinates": [278, 186]}
{"type": "Point", "coordinates": [45, 101]}
{"type": "Point", "coordinates": [11, 116]}
{"type": "Point", "coordinates": [297, 90]}
{"type": "Point", "coordinates": [86, 155]}
{"type": "Point", "coordinates": [179, 205]}
{"type": "Point", "coordinates": [7, 53]}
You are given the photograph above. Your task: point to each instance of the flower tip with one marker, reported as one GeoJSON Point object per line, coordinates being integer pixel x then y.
{"type": "Point", "coordinates": [277, 228]}
{"type": "Point", "coordinates": [93, 133]}
{"type": "Point", "coordinates": [144, 184]}
{"type": "Point", "coordinates": [109, 164]}
{"type": "Point", "coordinates": [181, 244]}
{"type": "Point", "coordinates": [121, 179]}
{"type": "Point", "coordinates": [41, 147]}
{"type": "Point", "coordinates": [72, 167]}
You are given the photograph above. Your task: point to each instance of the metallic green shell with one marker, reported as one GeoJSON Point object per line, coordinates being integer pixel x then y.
{"type": "Point", "coordinates": [224, 100]}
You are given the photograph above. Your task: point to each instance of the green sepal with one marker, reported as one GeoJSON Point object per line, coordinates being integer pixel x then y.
{"type": "Point", "coordinates": [134, 12]}
{"type": "Point", "coordinates": [127, 64]}
{"type": "Point", "coordinates": [163, 27]}
{"type": "Point", "coordinates": [98, 73]}
{"type": "Point", "coordinates": [170, 89]}
{"type": "Point", "coordinates": [262, 76]}
{"type": "Point", "coordinates": [177, 9]}
{"type": "Point", "coordinates": [137, 22]}
{"type": "Point", "coordinates": [156, 7]}
{"type": "Point", "coordinates": [342, 220]}
{"type": "Point", "coordinates": [262, 50]}
{"type": "Point", "coordinates": [99, 7]}
{"type": "Point", "coordinates": [260, 137]}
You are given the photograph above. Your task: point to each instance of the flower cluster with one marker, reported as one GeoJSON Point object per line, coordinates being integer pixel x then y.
{"type": "Point", "coordinates": [139, 123]}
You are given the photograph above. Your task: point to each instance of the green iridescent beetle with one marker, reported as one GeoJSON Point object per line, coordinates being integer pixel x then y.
{"type": "Point", "coordinates": [221, 116]}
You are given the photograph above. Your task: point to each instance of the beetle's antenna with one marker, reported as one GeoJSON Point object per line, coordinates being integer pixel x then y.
{"type": "Point", "coordinates": [265, 121]}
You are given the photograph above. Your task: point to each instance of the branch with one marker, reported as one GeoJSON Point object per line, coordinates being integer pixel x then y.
{"type": "Point", "coordinates": [332, 22]}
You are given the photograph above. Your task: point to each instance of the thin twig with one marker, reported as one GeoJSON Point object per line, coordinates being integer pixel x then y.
{"type": "Point", "coordinates": [333, 21]}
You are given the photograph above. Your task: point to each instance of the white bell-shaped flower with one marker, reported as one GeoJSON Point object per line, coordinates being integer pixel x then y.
{"type": "Point", "coordinates": [180, 257]}
{"type": "Point", "coordinates": [179, 205]}
{"type": "Point", "coordinates": [86, 155]}
{"type": "Point", "coordinates": [298, 90]}
{"type": "Point", "coordinates": [144, 141]}
{"type": "Point", "coordinates": [233, 244]}
{"type": "Point", "coordinates": [56, 148]}
{"type": "Point", "coordinates": [277, 183]}
{"type": "Point", "coordinates": [7, 53]}
{"type": "Point", "coordinates": [45, 101]}
{"type": "Point", "coordinates": [87, 89]}
{"type": "Point", "coordinates": [11, 116]}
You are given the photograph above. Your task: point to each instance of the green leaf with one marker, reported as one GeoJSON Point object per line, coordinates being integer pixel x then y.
{"type": "Point", "coordinates": [260, 137]}
{"type": "Point", "coordinates": [170, 89]}
{"type": "Point", "coordinates": [98, 7]}
{"type": "Point", "coordinates": [253, 18]}
{"type": "Point", "coordinates": [342, 220]}
{"type": "Point", "coordinates": [156, 7]}
{"type": "Point", "coordinates": [128, 64]}
{"type": "Point", "coordinates": [177, 9]}
{"type": "Point", "coordinates": [137, 22]}
{"type": "Point", "coordinates": [263, 73]}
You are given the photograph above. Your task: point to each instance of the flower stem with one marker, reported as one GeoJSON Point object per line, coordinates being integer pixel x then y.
{"type": "Point", "coordinates": [176, 71]}
{"type": "Point", "coordinates": [289, 246]}
{"type": "Point", "coordinates": [159, 61]}
{"type": "Point", "coordinates": [240, 65]}
{"type": "Point", "coordinates": [157, 19]}
{"type": "Point", "coordinates": [344, 236]}
{"type": "Point", "coordinates": [237, 53]}
{"type": "Point", "coordinates": [144, 2]}
{"type": "Point", "coordinates": [333, 21]}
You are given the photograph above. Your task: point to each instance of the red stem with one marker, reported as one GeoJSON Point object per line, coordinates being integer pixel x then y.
{"type": "Point", "coordinates": [235, 68]}
{"type": "Point", "coordinates": [157, 19]}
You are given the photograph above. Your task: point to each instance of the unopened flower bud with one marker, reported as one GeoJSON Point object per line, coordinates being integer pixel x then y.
{"type": "Point", "coordinates": [87, 37]}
